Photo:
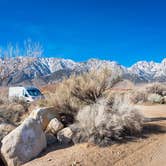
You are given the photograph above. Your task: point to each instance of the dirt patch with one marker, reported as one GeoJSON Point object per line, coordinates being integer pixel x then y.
{"type": "Point", "coordinates": [148, 150]}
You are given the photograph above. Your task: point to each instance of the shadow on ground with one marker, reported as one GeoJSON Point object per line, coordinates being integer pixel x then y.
{"type": "Point", "coordinates": [157, 119]}
{"type": "Point", "coordinates": [152, 126]}
{"type": "Point", "coordinates": [155, 128]}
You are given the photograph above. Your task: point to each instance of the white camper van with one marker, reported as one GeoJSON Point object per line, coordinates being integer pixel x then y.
{"type": "Point", "coordinates": [28, 94]}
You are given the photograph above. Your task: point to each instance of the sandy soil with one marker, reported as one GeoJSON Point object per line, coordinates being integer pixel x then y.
{"type": "Point", "coordinates": [150, 150]}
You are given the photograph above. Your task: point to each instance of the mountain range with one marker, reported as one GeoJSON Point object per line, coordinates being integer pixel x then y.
{"type": "Point", "coordinates": [41, 71]}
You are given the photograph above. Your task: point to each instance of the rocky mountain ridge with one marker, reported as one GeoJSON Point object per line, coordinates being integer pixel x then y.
{"type": "Point", "coordinates": [25, 70]}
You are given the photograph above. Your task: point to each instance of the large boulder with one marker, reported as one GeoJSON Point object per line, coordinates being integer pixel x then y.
{"type": "Point", "coordinates": [54, 126]}
{"type": "Point", "coordinates": [23, 143]}
{"type": "Point", "coordinates": [65, 135]}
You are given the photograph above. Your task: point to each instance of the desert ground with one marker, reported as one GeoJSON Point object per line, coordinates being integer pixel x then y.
{"type": "Point", "coordinates": [148, 150]}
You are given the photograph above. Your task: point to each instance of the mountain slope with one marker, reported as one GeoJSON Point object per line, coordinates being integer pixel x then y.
{"type": "Point", "coordinates": [24, 70]}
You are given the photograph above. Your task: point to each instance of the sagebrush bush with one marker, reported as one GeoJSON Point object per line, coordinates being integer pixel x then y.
{"type": "Point", "coordinates": [138, 96]}
{"type": "Point", "coordinates": [91, 86]}
{"type": "Point", "coordinates": [99, 116]}
{"type": "Point", "coordinates": [78, 91]}
{"type": "Point", "coordinates": [157, 88]}
{"type": "Point", "coordinates": [102, 123]}
{"type": "Point", "coordinates": [143, 94]}
{"type": "Point", "coordinates": [19, 101]}
{"type": "Point", "coordinates": [61, 99]}
{"type": "Point", "coordinates": [3, 97]}
{"type": "Point", "coordinates": [155, 98]}
{"type": "Point", "coordinates": [13, 112]}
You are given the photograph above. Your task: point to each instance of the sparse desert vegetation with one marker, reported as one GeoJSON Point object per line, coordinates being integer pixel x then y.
{"type": "Point", "coordinates": [149, 93]}
{"type": "Point", "coordinates": [86, 108]}
{"type": "Point", "coordinates": [82, 83]}
{"type": "Point", "coordinates": [99, 115]}
{"type": "Point", "coordinates": [12, 110]}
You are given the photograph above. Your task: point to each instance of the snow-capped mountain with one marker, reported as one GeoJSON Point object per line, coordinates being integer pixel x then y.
{"type": "Point", "coordinates": [24, 70]}
{"type": "Point", "coordinates": [149, 71]}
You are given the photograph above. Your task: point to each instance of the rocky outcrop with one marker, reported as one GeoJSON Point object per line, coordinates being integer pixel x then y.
{"type": "Point", "coordinates": [43, 127]}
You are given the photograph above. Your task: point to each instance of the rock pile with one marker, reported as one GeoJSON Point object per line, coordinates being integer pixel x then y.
{"type": "Point", "coordinates": [26, 142]}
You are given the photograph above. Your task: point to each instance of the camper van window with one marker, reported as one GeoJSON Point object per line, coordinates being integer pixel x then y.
{"type": "Point", "coordinates": [34, 92]}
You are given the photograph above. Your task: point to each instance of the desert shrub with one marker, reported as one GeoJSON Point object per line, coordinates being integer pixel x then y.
{"type": "Point", "coordinates": [3, 98]}
{"type": "Point", "coordinates": [155, 98]}
{"type": "Point", "coordinates": [138, 96]}
{"type": "Point", "coordinates": [78, 91]}
{"type": "Point", "coordinates": [17, 100]}
{"type": "Point", "coordinates": [2, 101]}
{"type": "Point", "coordinates": [24, 104]}
{"type": "Point", "coordinates": [157, 88]}
{"type": "Point", "coordinates": [61, 99]}
{"type": "Point", "coordinates": [144, 94]}
{"type": "Point", "coordinates": [12, 112]}
{"type": "Point", "coordinates": [91, 86]}
{"type": "Point", "coordinates": [102, 123]}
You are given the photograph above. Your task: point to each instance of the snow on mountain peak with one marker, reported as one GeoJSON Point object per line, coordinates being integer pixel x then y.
{"type": "Point", "coordinates": [30, 68]}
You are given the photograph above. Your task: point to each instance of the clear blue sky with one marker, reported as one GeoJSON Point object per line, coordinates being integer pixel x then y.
{"type": "Point", "coordinates": [122, 30]}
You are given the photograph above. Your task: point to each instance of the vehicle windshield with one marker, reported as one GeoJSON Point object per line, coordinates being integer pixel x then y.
{"type": "Point", "coordinates": [34, 92]}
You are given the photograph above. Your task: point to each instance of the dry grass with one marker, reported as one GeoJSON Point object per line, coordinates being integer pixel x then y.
{"type": "Point", "coordinates": [3, 95]}
{"type": "Point", "coordinates": [12, 111]}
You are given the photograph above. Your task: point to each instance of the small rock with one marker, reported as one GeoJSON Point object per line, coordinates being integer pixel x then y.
{"type": "Point", "coordinates": [64, 135]}
{"type": "Point", "coordinates": [54, 126]}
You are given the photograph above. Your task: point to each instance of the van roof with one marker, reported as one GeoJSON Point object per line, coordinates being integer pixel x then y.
{"type": "Point", "coordinates": [26, 87]}
{"type": "Point", "coordinates": [31, 87]}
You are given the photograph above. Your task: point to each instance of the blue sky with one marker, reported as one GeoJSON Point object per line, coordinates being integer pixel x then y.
{"type": "Point", "coordinates": [122, 30]}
